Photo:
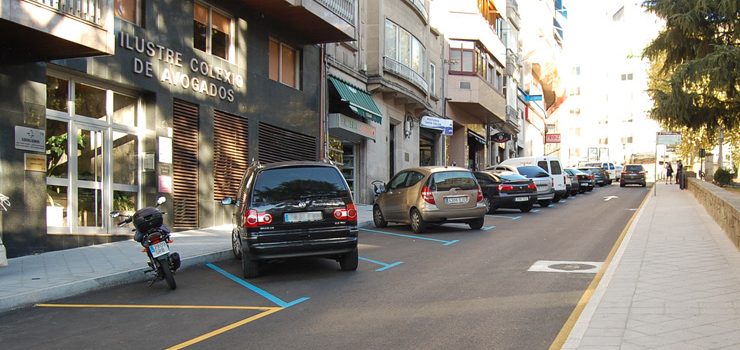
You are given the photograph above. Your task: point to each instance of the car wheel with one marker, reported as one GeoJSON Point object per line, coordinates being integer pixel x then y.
{"type": "Point", "coordinates": [566, 195]}
{"type": "Point", "coordinates": [621, 184]}
{"type": "Point", "coordinates": [574, 193]}
{"type": "Point", "coordinates": [526, 208]}
{"type": "Point", "coordinates": [417, 222]}
{"type": "Point", "coordinates": [348, 262]}
{"type": "Point", "coordinates": [250, 267]}
{"type": "Point", "coordinates": [477, 224]}
{"type": "Point", "coordinates": [556, 198]}
{"type": "Point", "coordinates": [644, 184]}
{"type": "Point", "coordinates": [489, 207]}
{"type": "Point", "coordinates": [236, 244]}
{"type": "Point", "coordinates": [544, 203]}
{"type": "Point", "coordinates": [378, 218]}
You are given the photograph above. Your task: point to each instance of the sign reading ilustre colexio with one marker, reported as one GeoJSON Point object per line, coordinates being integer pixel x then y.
{"type": "Point", "coordinates": [200, 76]}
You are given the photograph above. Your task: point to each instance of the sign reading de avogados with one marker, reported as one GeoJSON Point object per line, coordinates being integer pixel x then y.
{"type": "Point", "coordinates": [194, 74]}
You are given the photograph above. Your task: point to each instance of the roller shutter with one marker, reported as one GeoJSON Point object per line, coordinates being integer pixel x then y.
{"type": "Point", "coordinates": [277, 145]}
{"type": "Point", "coordinates": [185, 164]}
{"type": "Point", "coordinates": [230, 153]}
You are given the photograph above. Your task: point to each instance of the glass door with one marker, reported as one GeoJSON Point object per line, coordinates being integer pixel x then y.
{"type": "Point", "coordinates": [90, 172]}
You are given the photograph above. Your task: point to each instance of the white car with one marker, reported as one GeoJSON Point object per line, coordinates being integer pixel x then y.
{"type": "Point", "coordinates": [551, 165]}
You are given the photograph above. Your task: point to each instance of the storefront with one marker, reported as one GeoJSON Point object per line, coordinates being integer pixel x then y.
{"type": "Point", "coordinates": [432, 132]}
{"type": "Point", "coordinates": [476, 151]}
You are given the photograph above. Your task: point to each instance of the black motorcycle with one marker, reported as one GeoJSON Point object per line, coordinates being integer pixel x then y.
{"type": "Point", "coordinates": [154, 236]}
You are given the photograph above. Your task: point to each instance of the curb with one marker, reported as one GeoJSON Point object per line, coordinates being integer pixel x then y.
{"type": "Point", "coordinates": [92, 284]}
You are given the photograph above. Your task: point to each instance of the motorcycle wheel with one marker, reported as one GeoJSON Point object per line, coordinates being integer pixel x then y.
{"type": "Point", "coordinates": [164, 267]}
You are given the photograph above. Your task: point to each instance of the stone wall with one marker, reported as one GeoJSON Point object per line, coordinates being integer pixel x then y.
{"type": "Point", "coordinates": [722, 205]}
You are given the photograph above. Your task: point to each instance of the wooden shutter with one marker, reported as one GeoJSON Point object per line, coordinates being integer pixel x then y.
{"type": "Point", "coordinates": [185, 164]}
{"type": "Point", "coordinates": [230, 153]}
{"type": "Point", "coordinates": [277, 145]}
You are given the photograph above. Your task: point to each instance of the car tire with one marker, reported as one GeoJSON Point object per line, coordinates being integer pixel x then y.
{"type": "Point", "coordinates": [417, 222]}
{"type": "Point", "coordinates": [644, 184]}
{"type": "Point", "coordinates": [489, 206]}
{"type": "Point", "coordinates": [378, 218]}
{"type": "Point", "coordinates": [236, 244]}
{"type": "Point", "coordinates": [543, 203]}
{"type": "Point", "coordinates": [621, 185]}
{"type": "Point", "coordinates": [556, 198]}
{"type": "Point", "coordinates": [526, 208]}
{"type": "Point", "coordinates": [477, 224]}
{"type": "Point", "coordinates": [250, 267]}
{"type": "Point", "coordinates": [348, 262]}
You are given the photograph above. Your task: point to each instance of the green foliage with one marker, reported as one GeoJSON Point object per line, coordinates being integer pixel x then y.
{"type": "Point", "coordinates": [723, 177]}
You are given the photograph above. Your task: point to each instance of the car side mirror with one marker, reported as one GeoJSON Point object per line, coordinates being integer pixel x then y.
{"type": "Point", "coordinates": [227, 201]}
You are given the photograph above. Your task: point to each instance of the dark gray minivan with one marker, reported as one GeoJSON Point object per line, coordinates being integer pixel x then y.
{"type": "Point", "coordinates": [293, 209]}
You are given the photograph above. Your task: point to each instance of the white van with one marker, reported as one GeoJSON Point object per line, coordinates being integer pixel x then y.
{"type": "Point", "coordinates": [552, 165]}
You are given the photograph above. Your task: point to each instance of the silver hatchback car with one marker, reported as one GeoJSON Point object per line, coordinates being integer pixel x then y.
{"type": "Point", "coordinates": [541, 178]}
{"type": "Point", "coordinates": [424, 195]}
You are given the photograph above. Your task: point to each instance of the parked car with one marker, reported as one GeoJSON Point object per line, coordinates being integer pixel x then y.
{"type": "Point", "coordinates": [585, 180]}
{"type": "Point", "coordinates": [633, 174]}
{"type": "Point", "coordinates": [540, 177]}
{"type": "Point", "coordinates": [609, 167]}
{"type": "Point", "coordinates": [552, 167]}
{"type": "Point", "coordinates": [618, 171]}
{"type": "Point", "coordinates": [293, 209]}
{"type": "Point", "coordinates": [575, 185]}
{"type": "Point", "coordinates": [506, 190]}
{"type": "Point", "coordinates": [435, 194]}
{"type": "Point", "coordinates": [600, 176]}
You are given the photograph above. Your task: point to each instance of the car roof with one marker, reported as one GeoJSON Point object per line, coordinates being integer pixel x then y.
{"type": "Point", "coordinates": [293, 163]}
{"type": "Point", "coordinates": [435, 169]}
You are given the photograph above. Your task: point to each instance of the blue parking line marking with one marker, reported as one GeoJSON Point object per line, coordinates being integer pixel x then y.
{"type": "Point", "coordinates": [413, 237]}
{"type": "Point", "coordinates": [487, 228]}
{"type": "Point", "coordinates": [506, 217]}
{"type": "Point", "coordinates": [277, 301]}
{"type": "Point", "coordinates": [384, 265]}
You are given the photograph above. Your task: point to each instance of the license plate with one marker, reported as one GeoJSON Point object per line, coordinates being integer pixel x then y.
{"type": "Point", "coordinates": [584, 183]}
{"type": "Point", "coordinates": [159, 249]}
{"type": "Point", "coordinates": [521, 199]}
{"type": "Point", "coordinates": [303, 217]}
{"type": "Point", "coordinates": [456, 200]}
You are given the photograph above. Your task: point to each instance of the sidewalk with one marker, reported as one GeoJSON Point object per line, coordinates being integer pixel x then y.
{"type": "Point", "coordinates": [673, 284]}
{"type": "Point", "coordinates": [37, 278]}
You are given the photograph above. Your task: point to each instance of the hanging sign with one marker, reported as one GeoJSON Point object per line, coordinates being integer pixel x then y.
{"type": "Point", "coordinates": [442, 124]}
{"type": "Point", "coordinates": [500, 137]}
{"type": "Point", "coordinates": [552, 138]}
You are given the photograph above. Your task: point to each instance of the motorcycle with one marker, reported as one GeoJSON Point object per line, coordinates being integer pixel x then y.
{"type": "Point", "coordinates": [154, 236]}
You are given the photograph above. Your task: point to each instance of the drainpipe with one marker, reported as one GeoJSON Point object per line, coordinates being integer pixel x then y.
{"type": "Point", "coordinates": [324, 133]}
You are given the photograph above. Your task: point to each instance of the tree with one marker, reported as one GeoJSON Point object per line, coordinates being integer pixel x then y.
{"type": "Point", "coordinates": [695, 60]}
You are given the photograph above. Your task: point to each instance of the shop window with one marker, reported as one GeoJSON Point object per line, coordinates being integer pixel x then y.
{"type": "Point", "coordinates": [89, 101]}
{"type": "Point", "coordinates": [125, 161]}
{"type": "Point", "coordinates": [57, 159]}
{"type": "Point", "coordinates": [284, 64]}
{"type": "Point", "coordinates": [212, 31]}
{"type": "Point", "coordinates": [56, 206]}
{"type": "Point", "coordinates": [128, 10]}
{"type": "Point", "coordinates": [57, 93]}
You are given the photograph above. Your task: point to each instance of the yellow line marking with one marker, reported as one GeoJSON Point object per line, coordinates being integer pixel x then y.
{"type": "Point", "coordinates": [224, 329]}
{"type": "Point", "coordinates": [124, 306]}
{"type": "Point", "coordinates": [571, 322]}
{"type": "Point", "coordinates": [265, 312]}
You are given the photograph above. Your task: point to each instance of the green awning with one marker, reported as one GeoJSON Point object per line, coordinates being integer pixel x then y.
{"type": "Point", "coordinates": [359, 100]}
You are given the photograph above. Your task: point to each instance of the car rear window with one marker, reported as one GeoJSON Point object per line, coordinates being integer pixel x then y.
{"type": "Point", "coordinates": [282, 184]}
{"type": "Point", "coordinates": [446, 180]}
{"type": "Point", "coordinates": [634, 168]}
{"type": "Point", "coordinates": [512, 177]}
{"type": "Point", "coordinates": [532, 171]}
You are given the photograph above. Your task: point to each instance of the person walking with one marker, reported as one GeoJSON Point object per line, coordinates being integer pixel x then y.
{"type": "Point", "coordinates": [679, 174]}
{"type": "Point", "coordinates": [668, 173]}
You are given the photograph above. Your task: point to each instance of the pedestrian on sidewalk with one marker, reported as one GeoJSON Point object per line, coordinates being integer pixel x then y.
{"type": "Point", "coordinates": [679, 174]}
{"type": "Point", "coordinates": [668, 173]}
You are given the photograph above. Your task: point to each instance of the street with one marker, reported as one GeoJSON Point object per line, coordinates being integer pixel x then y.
{"type": "Point", "coordinates": [448, 288]}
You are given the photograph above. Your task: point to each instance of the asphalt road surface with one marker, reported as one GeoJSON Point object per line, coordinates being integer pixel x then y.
{"type": "Point", "coordinates": [450, 288]}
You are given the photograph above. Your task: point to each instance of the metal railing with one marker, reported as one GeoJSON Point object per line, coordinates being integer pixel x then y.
{"type": "Point", "coordinates": [345, 9]}
{"type": "Point", "coordinates": [86, 10]}
{"type": "Point", "coordinates": [419, 5]}
{"type": "Point", "coordinates": [405, 72]}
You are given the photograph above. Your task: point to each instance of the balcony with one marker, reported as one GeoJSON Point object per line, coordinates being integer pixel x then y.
{"type": "Point", "coordinates": [408, 74]}
{"type": "Point", "coordinates": [512, 11]}
{"type": "Point", "coordinates": [318, 21]}
{"type": "Point", "coordinates": [43, 30]}
{"type": "Point", "coordinates": [418, 5]}
{"type": "Point", "coordinates": [477, 98]}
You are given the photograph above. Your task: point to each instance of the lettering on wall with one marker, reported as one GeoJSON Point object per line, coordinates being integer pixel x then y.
{"type": "Point", "coordinates": [190, 74]}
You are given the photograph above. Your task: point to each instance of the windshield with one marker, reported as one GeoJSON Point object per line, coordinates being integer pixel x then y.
{"type": "Point", "coordinates": [284, 184]}
{"type": "Point", "coordinates": [511, 177]}
{"type": "Point", "coordinates": [532, 171]}
{"type": "Point", "coordinates": [634, 168]}
{"type": "Point", "coordinates": [445, 181]}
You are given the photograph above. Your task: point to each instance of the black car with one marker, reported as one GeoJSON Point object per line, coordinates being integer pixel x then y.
{"type": "Point", "coordinates": [506, 190]}
{"type": "Point", "coordinates": [600, 176]}
{"type": "Point", "coordinates": [293, 209]}
{"type": "Point", "coordinates": [574, 186]}
{"type": "Point", "coordinates": [633, 174]}
{"type": "Point", "coordinates": [582, 181]}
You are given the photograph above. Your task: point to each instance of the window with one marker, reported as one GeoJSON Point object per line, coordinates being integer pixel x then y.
{"type": "Point", "coordinates": [128, 10]}
{"type": "Point", "coordinates": [432, 79]}
{"type": "Point", "coordinates": [212, 31]}
{"type": "Point", "coordinates": [284, 64]}
{"type": "Point", "coordinates": [403, 47]}
{"type": "Point", "coordinates": [398, 181]}
{"type": "Point", "coordinates": [627, 76]}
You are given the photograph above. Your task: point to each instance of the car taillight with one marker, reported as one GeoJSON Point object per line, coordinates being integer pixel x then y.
{"type": "Point", "coordinates": [480, 195]}
{"type": "Point", "coordinates": [429, 197]}
{"type": "Point", "coordinates": [253, 219]}
{"type": "Point", "coordinates": [590, 177]}
{"type": "Point", "coordinates": [624, 173]}
{"type": "Point", "coordinates": [502, 188]}
{"type": "Point", "coordinates": [346, 214]}
{"type": "Point", "coordinates": [532, 186]}
{"type": "Point", "coordinates": [642, 172]}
